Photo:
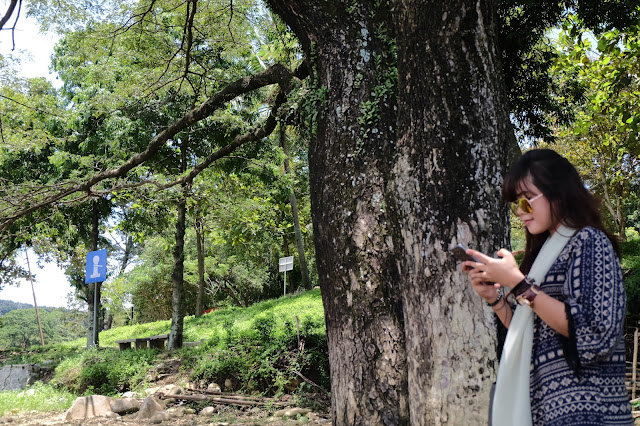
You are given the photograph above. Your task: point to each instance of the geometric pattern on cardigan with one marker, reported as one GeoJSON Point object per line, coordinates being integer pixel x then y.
{"type": "Point", "coordinates": [580, 380]}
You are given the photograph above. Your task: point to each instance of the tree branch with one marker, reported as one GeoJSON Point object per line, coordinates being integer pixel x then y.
{"type": "Point", "coordinates": [275, 74]}
{"type": "Point", "coordinates": [9, 12]}
{"type": "Point", "coordinates": [252, 136]}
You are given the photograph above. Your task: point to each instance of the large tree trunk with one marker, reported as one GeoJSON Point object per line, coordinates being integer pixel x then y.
{"type": "Point", "coordinates": [177, 278]}
{"type": "Point", "coordinates": [407, 158]}
{"type": "Point", "coordinates": [453, 138]}
{"type": "Point", "coordinates": [348, 165]}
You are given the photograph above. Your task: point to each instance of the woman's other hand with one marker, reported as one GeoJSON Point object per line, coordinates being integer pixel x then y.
{"type": "Point", "coordinates": [502, 270]}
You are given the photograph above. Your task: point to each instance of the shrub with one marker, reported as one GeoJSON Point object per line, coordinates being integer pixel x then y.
{"type": "Point", "coordinates": [106, 372]}
{"type": "Point", "coordinates": [261, 351]}
{"type": "Point", "coordinates": [631, 272]}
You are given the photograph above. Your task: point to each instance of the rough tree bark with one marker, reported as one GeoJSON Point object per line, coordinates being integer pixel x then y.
{"type": "Point", "coordinates": [407, 158]}
{"type": "Point", "coordinates": [177, 275]}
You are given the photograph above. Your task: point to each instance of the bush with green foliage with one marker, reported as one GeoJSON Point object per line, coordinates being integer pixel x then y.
{"type": "Point", "coordinates": [262, 351]}
{"type": "Point", "coordinates": [631, 273]}
{"type": "Point", "coordinates": [256, 348]}
{"type": "Point", "coordinates": [106, 372]}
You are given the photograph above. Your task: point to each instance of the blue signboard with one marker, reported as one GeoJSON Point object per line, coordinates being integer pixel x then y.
{"type": "Point", "coordinates": [96, 266]}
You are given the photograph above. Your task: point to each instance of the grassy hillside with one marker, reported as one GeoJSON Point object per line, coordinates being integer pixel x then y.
{"type": "Point", "coordinates": [306, 306]}
{"type": "Point", "coordinates": [267, 348]}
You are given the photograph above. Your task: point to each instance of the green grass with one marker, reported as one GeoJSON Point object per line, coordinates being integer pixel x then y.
{"type": "Point", "coordinates": [257, 348]}
{"type": "Point", "coordinates": [39, 397]}
{"type": "Point", "coordinates": [306, 306]}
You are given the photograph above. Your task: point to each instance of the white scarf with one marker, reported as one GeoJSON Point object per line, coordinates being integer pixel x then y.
{"type": "Point", "coordinates": [512, 400]}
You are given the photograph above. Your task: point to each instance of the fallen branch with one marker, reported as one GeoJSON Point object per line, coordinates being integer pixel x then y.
{"type": "Point", "coordinates": [215, 399]}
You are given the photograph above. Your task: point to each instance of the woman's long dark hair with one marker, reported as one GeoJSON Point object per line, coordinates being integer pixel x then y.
{"type": "Point", "coordinates": [571, 202]}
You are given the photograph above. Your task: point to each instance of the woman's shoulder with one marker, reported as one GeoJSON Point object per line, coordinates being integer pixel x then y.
{"type": "Point", "coordinates": [591, 236]}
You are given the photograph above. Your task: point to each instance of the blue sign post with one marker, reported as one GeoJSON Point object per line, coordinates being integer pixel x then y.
{"type": "Point", "coordinates": [96, 272]}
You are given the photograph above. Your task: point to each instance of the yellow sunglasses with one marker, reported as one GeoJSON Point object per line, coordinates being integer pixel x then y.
{"type": "Point", "coordinates": [524, 204]}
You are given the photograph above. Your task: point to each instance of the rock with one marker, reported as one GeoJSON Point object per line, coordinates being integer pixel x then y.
{"type": "Point", "coordinates": [125, 405]}
{"type": "Point", "coordinates": [87, 407]}
{"type": "Point", "coordinates": [14, 377]}
{"type": "Point", "coordinates": [160, 417]}
{"type": "Point", "coordinates": [28, 392]}
{"type": "Point", "coordinates": [177, 412]}
{"type": "Point", "coordinates": [214, 387]}
{"type": "Point", "coordinates": [151, 391]}
{"type": "Point", "coordinates": [291, 412]}
{"type": "Point", "coordinates": [19, 376]}
{"type": "Point", "coordinates": [129, 394]}
{"type": "Point", "coordinates": [207, 411]}
{"type": "Point", "coordinates": [172, 390]}
{"type": "Point", "coordinates": [292, 385]}
{"type": "Point", "coordinates": [150, 406]}
{"type": "Point", "coordinates": [228, 384]}
{"type": "Point", "coordinates": [256, 411]}
{"type": "Point", "coordinates": [111, 415]}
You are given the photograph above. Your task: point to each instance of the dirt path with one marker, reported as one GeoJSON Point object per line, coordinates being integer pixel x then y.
{"type": "Point", "coordinates": [222, 418]}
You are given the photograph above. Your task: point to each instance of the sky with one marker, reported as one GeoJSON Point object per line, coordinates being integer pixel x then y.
{"type": "Point", "coordinates": [50, 284]}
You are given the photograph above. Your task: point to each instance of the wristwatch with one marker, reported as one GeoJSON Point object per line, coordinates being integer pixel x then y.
{"type": "Point", "coordinates": [527, 296]}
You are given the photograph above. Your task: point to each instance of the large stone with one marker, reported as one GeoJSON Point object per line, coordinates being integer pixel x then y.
{"type": "Point", "coordinates": [207, 411]}
{"type": "Point", "coordinates": [214, 387]}
{"type": "Point", "coordinates": [167, 390]}
{"type": "Point", "coordinates": [291, 412]}
{"type": "Point", "coordinates": [150, 406]}
{"type": "Point", "coordinates": [16, 377]}
{"type": "Point", "coordinates": [86, 407]}
{"type": "Point", "coordinates": [159, 417]}
{"type": "Point", "coordinates": [125, 405]}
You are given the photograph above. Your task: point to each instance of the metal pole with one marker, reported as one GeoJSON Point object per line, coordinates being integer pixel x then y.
{"type": "Point", "coordinates": [34, 299]}
{"type": "Point", "coordinates": [635, 362]}
{"type": "Point", "coordinates": [95, 314]}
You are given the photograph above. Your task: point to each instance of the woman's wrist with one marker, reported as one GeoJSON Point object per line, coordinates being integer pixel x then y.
{"type": "Point", "coordinates": [495, 301]}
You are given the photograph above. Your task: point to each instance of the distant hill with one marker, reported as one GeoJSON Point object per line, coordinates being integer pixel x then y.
{"type": "Point", "coordinates": [8, 306]}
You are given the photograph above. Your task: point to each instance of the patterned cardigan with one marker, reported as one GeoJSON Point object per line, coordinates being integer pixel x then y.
{"type": "Point", "coordinates": [580, 380]}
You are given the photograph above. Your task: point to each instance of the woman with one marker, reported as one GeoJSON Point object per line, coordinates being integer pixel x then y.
{"type": "Point", "coordinates": [564, 352]}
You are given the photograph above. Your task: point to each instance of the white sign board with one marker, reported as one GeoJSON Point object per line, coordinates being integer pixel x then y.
{"type": "Point", "coordinates": [285, 264]}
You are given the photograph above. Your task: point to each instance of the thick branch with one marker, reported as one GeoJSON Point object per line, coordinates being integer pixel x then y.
{"type": "Point", "coordinates": [254, 135]}
{"type": "Point", "coordinates": [8, 13]}
{"type": "Point", "coordinates": [276, 74]}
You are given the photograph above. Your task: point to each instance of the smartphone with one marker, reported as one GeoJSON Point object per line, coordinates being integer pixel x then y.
{"type": "Point", "coordinates": [460, 251]}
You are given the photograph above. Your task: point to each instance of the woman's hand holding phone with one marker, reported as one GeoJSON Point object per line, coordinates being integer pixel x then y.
{"type": "Point", "coordinates": [488, 274]}
{"type": "Point", "coordinates": [502, 270]}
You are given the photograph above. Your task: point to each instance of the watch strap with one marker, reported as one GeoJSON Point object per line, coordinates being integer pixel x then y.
{"type": "Point", "coordinates": [529, 295]}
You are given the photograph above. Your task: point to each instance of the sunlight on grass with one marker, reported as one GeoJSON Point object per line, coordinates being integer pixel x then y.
{"type": "Point", "coordinates": [262, 347]}
{"type": "Point", "coordinates": [38, 397]}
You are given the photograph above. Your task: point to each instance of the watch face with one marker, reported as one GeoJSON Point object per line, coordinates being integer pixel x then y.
{"type": "Point", "coordinates": [522, 300]}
